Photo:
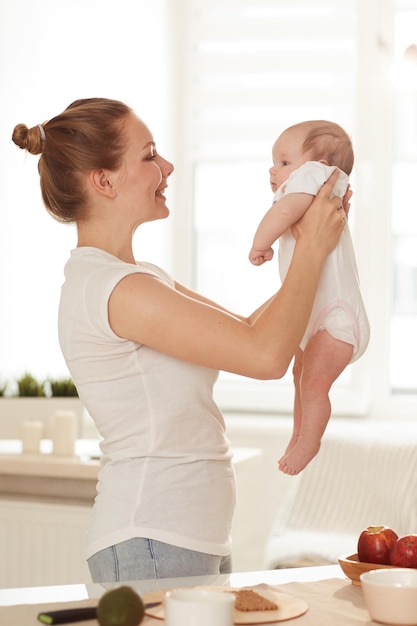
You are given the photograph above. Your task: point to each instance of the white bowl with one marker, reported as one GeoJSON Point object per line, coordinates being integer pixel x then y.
{"type": "Point", "coordinates": [391, 595]}
{"type": "Point", "coordinates": [204, 607]}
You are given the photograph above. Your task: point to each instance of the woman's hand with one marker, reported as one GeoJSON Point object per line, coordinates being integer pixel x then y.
{"type": "Point", "coordinates": [324, 221]}
{"type": "Point", "coordinates": [346, 199]}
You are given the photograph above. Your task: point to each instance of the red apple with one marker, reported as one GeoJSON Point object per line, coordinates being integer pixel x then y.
{"type": "Point", "coordinates": [404, 552]}
{"type": "Point", "coordinates": [375, 543]}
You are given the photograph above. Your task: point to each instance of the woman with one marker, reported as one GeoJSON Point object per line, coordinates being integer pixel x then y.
{"type": "Point", "coordinates": [144, 351]}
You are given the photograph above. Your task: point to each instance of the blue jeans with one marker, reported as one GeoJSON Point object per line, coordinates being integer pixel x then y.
{"type": "Point", "coordinates": [140, 559]}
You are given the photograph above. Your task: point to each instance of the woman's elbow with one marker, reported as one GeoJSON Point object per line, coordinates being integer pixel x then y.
{"type": "Point", "coordinates": [272, 367]}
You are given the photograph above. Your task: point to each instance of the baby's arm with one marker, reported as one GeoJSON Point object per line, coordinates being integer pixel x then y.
{"type": "Point", "coordinates": [280, 217]}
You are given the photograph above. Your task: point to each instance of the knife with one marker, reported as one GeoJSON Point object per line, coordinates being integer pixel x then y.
{"type": "Point", "coordinates": [66, 616]}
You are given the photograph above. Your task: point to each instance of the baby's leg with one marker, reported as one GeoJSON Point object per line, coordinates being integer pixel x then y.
{"type": "Point", "coordinates": [324, 360]}
{"type": "Point", "coordinates": [296, 372]}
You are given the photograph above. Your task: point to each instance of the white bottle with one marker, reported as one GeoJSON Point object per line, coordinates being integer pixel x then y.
{"type": "Point", "coordinates": [64, 433]}
{"type": "Point", "coordinates": [31, 434]}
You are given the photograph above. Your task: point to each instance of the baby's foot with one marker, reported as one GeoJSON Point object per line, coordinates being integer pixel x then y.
{"type": "Point", "coordinates": [292, 442]}
{"type": "Point", "coordinates": [298, 457]}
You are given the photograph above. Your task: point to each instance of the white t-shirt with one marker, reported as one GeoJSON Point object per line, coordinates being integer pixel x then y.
{"type": "Point", "coordinates": [338, 305]}
{"type": "Point", "coordinates": [166, 467]}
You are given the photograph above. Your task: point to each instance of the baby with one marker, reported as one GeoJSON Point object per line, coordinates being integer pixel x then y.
{"type": "Point", "coordinates": [337, 333]}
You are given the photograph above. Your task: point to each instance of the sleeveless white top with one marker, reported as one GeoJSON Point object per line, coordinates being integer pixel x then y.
{"type": "Point", "coordinates": [166, 466]}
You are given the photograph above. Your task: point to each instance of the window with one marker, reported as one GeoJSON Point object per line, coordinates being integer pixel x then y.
{"type": "Point", "coordinates": [217, 81]}
{"type": "Point", "coordinates": [255, 67]}
{"type": "Point", "coordinates": [403, 376]}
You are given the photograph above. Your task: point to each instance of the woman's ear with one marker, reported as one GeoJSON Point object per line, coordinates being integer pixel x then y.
{"type": "Point", "coordinates": [100, 182]}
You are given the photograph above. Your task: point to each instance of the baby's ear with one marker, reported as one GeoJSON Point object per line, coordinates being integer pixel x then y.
{"type": "Point", "coordinates": [324, 162]}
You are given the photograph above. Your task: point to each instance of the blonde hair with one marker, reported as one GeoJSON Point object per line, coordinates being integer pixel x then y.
{"type": "Point", "coordinates": [327, 141]}
{"type": "Point", "coordinates": [87, 135]}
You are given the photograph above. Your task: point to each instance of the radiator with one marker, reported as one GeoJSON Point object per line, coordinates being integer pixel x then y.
{"type": "Point", "coordinates": [42, 543]}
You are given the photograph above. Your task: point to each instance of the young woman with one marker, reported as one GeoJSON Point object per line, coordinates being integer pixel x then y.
{"type": "Point", "coordinates": [144, 351]}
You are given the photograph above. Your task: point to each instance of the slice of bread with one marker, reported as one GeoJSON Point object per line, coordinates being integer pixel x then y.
{"type": "Point", "coordinates": [249, 600]}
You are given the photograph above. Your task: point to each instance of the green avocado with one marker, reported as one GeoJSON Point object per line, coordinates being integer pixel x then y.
{"type": "Point", "coordinates": [121, 606]}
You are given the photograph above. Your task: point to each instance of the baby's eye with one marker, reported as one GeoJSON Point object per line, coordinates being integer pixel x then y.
{"type": "Point", "coordinates": [284, 163]}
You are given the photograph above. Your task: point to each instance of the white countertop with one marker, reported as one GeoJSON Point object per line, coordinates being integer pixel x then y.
{"type": "Point", "coordinates": [69, 593]}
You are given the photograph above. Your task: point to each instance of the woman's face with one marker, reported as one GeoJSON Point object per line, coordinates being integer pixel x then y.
{"type": "Point", "coordinates": [141, 180]}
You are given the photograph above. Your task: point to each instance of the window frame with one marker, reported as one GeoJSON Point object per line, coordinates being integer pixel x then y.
{"type": "Point", "coordinates": [369, 392]}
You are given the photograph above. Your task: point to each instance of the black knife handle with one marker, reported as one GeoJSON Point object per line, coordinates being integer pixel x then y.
{"type": "Point", "coordinates": [67, 616]}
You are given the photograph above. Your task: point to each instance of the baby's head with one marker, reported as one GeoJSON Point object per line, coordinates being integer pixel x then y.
{"type": "Point", "coordinates": [315, 140]}
{"type": "Point", "coordinates": [327, 141]}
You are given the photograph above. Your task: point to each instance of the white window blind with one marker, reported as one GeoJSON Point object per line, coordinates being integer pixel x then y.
{"type": "Point", "coordinates": [403, 330]}
{"type": "Point", "coordinates": [254, 68]}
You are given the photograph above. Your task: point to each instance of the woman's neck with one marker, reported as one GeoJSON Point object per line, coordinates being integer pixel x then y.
{"type": "Point", "coordinates": [115, 243]}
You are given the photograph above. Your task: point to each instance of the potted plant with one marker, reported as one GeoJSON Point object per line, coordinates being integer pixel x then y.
{"type": "Point", "coordinates": [36, 399]}
{"type": "Point", "coordinates": [63, 388]}
{"type": "Point", "coordinates": [28, 386]}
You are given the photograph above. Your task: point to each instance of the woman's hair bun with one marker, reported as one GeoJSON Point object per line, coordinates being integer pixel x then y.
{"type": "Point", "coordinates": [30, 139]}
{"type": "Point", "coordinates": [88, 135]}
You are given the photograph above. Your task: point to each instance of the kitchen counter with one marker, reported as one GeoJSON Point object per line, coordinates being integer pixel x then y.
{"type": "Point", "coordinates": [85, 590]}
{"type": "Point", "coordinates": [48, 476]}
{"type": "Point", "coordinates": [326, 596]}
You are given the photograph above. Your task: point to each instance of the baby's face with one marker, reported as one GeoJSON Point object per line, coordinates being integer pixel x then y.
{"type": "Point", "coordinates": [287, 156]}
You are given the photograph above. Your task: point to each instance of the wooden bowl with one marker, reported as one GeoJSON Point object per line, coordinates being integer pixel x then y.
{"type": "Point", "coordinates": [353, 568]}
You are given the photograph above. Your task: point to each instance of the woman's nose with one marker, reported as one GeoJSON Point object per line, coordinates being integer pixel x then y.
{"type": "Point", "coordinates": [166, 167]}
{"type": "Point", "coordinates": [169, 167]}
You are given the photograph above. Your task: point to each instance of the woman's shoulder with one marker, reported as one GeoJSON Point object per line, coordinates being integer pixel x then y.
{"type": "Point", "coordinates": [96, 273]}
{"type": "Point", "coordinates": [159, 272]}
{"type": "Point", "coordinates": [90, 263]}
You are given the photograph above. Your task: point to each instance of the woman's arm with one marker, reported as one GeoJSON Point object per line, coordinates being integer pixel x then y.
{"type": "Point", "coordinates": [174, 321]}
{"type": "Point", "coordinates": [200, 298]}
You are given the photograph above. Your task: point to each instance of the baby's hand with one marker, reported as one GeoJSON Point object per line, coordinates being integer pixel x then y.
{"type": "Point", "coordinates": [258, 257]}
